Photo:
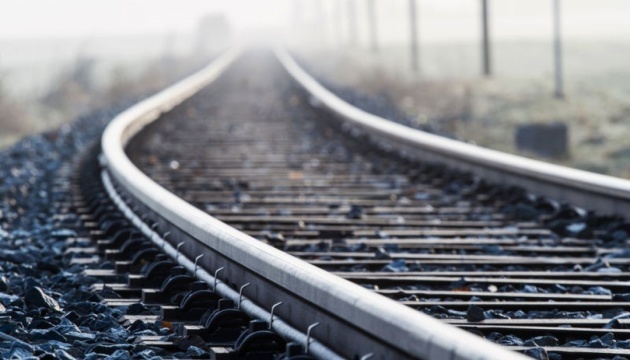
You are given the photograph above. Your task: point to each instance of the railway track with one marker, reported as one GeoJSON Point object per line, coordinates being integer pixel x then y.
{"type": "Point", "coordinates": [347, 239]}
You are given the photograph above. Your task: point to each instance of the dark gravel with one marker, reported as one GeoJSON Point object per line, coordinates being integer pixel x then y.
{"type": "Point", "coordinates": [46, 308]}
{"type": "Point", "coordinates": [457, 189]}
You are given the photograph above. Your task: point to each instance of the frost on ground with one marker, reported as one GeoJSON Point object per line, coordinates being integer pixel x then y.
{"type": "Point", "coordinates": [487, 111]}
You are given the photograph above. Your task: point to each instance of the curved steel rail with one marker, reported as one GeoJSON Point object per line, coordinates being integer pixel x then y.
{"type": "Point", "coordinates": [605, 194]}
{"type": "Point", "coordinates": [350, 315]}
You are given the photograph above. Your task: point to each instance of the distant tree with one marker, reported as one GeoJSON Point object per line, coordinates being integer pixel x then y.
{"type": "Point", "coordinates": [213, 33]}
{"type": "Point", "coordinates": [13, 119]}
{"type": "Point", "coordinates": [73, 87]}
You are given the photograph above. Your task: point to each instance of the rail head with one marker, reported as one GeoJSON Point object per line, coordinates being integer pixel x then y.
{"type": "Point", "coordinates": [408, 331]}
{"type": "Point", "coordinates": [602, 193]}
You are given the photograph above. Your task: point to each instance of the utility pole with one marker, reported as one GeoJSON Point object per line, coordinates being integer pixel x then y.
{"type": "Point", "coordinates": [372, 25]}
{"type": "Point", "coordinates": [320, 25]}
{"type": "Point", "coordinates": [297, 14]}
{"type": "Point", "coordinates": [413, 22]}
{"type": "Point", "coordinates": [485, 32]}
{"type": "Point", "coordinates": [340, 21]}
{"type": "Point", "coordinates": [557, 46]}
{"type": "Point", "coordinates": [352, 23]}
{"type": "Point", "coordinates": [299, 33]}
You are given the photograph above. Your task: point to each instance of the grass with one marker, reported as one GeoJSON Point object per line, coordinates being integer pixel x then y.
{"type": "Point", "coordinates": [487, 111]}
{"type": "Point", "coordinates": [77, 91]}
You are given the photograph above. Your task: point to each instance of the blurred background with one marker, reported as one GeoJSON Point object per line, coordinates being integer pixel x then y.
{"type": "Point", "coordinates": [543, 78]}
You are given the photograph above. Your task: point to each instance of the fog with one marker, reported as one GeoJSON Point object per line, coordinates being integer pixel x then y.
{"type": "Point", "coordinates": [459, 20]}
{"type": "Point", "coordinates": [92, 18]}
{"type": "Point", "coordinates": [95, 48]}
{"type": "Point", "coordinates": [441, 20]}
{"type": "Point", "coordinates": [39, 36]}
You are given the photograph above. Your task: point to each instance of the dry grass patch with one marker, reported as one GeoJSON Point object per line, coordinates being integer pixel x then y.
{"type": "Point", "coordinates": [487, 112]}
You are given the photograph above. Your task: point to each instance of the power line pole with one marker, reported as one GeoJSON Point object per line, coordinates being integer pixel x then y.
{"type": "Point", "coordinates": [487, 68]}
{"type": "Point", "coordinates": [352, 23]}
{"type": "Point", "coordinates": [300, 32]}
{"type": "Point", "coordinates": [557, 45]}
{"type": "Point", "coordinates": [297, 14]}
{"type": "Point", "coordinates": [372, 25]}
{"type": "Point", "coordinates": [415, 66]}
{"type": "Point", "coordinates": [340, 21]}
{"type": "Point", "coordinates": [320, 25]}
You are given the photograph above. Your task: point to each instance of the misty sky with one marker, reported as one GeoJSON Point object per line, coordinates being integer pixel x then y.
{"type": "Point", "coordinates": [439, 19]}
{"type": "Point", "coordinates": [86, 18]}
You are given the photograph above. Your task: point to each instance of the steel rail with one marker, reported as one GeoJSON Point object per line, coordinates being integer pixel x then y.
{"type": "Point", "coordinates": [605, 194]}
{"type": "Point", "coordinates": [220, 287]}
{"type": "Point", "coordinates": [352, 317]}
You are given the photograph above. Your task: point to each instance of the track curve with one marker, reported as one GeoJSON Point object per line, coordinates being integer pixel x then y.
{"type": "Point", "coordinates": [382, 327]}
